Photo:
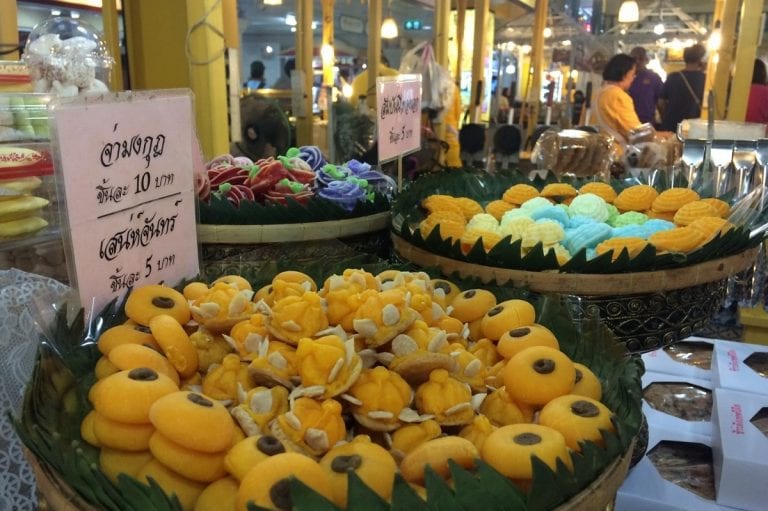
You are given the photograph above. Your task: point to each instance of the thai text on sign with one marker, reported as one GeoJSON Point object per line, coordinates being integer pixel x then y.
{"type": "Point", "coordinates": [398, 115]}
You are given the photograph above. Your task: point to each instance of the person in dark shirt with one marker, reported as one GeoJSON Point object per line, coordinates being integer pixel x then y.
{"type": "Point", "coordinates": [683, 92]}
{"type": "Point", "coordinates": [256, 81]}
{"type": "Point", "coordinates": [646, 89]}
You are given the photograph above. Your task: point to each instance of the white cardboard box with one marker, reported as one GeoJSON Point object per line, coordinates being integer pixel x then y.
{"type": "Point", "coordinates": [730, 369]}
{"type": "Point", "coordinates": [660, 361]}
{"type": "Point", "coordinates": [645, 489]}
{"type": "Point", "coordinates": [740, 451]}
{"type": "Point", "coordinates": [662, 420]}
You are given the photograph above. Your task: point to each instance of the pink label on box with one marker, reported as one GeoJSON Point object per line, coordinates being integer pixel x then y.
{"type": "Point", "coordinates": [733, 361]}
{"type": "Point", "coordinates": [398, 115]}
{"type": "Point", "coordinates": [737, 420]}
{"type": "Point", "coordinates": [127, 167]}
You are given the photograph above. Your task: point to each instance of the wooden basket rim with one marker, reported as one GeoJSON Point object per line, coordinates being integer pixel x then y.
{"type": "Point", "coordinates": [281, 233]}
{"type": "Point", "coordinates": [618, 284]}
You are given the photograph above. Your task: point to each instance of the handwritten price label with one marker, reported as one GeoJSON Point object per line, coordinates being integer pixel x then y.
{"type": "Point", "coordinates": [398, 102]}
{"type": "Point", "coordinates": [126, 161]}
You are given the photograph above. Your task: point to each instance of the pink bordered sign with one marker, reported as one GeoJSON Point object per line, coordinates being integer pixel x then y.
{"type": "Point", "coordinates": [398, 115]}
{"type": "Point", "coordinates": [124, 164]}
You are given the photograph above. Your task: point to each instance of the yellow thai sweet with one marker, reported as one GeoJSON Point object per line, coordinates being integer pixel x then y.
{"type": "Point", "coordinates": [343, 297]}
{"type": "Point", "coordinates": [485, 350]}
{"type": "Point", "coordinates": [222, 382]}
{"type": "Point", "coordinates": [499, 408]}
{"type": "Point", "coordinates": [259, 407]}
{"type": "Point", "coordinates": [418, 351]}
{"type": "Point", "coordinates": [222, 307]}
{"type": "Point", "coordinates": [295, 317]}
{"type": "Point", "coordinates": [407, 438]}
{"type": "Point", "coordinates": [422, 302]}
{"type": "Point", "coordinates": [478, 431]}
{"type": "Point", "coordinates": [211, 347]}
{"type": "Point", "coordinates": [282, 288]}
{"type": "Point", "coordinates": [246, 335]}
{"type": "Point", "coordinates": [448, 399]}
{"type": "Point", "coordinates": [382, 316]}
{"type": "Point", "coordinates": [274, 363]}
{"type": "Point", "coordinates": [329, 362]}
{"type": "Point", "coordinates": [310, 426]}
{"type": "Point", "coordinates": [379, 398]}
{"type": "Point", "coordinates": [467, 368]}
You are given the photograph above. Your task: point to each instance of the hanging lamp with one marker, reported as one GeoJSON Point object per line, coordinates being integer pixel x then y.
{"type": "Point", "coordinates": [629, 12]}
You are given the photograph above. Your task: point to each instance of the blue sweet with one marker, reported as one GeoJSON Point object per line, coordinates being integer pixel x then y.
{"type": "Point", "coordinates": [586, 236]}
{"type": "Point", "coordinates": [313, 156]}
{"type": "Point", "coordinates": [555, 213]}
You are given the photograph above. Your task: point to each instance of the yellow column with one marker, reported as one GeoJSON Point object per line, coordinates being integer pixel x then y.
{"type": "Point", "coordinates": [374, 48]}
{"type": "Point", "coordinates": [461, 15]}
{"type": "Point", "coordinates": [328, 59]}
{"type": "Point", "coordinates": [112, 38]}
{"type": "Point", "coordinates": [722, 73]}
{"type": "Point", "coordinates": [480, 55]}
{"type": "Point", "coordinates": [537, 62]}
{"type": "Point", "coordinates": [304, 54]}
{"type": "Point", "coordinates": [442, 21]}
{"type": "Point", "coordinates": [9, 30]}
{"type": "Point", "coordinates": [234, 80]}
{"type": "Point", "coordinates": [207, 74]}
{"type": "Point", "coordinates": [746, 50]}
{"type": "Point", "coordinates": [229, 17]}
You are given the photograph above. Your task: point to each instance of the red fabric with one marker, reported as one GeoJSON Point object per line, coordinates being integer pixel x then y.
{"type": "Point", "coordinates": [757, 107]}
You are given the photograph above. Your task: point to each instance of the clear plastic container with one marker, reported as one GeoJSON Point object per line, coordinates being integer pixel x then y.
{"type": "Point", "coordinates": [23, 117]}
{"type": "Point", "coordinates": [67, 57]}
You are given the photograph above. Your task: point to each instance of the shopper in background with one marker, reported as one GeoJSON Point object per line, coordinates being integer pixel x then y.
{"type": "Point", "coordinates": [360, 82]}
{"type": "Point", "coordinates": [578, 107]}
{"type": "Point", "coordinates": [614, 109]}
{"type": "Point", "coordinates": [502, 106]}
{"type": "Point", "coordinates": [256, 81]}
{"type": "Point", "coordinates": [757, 107]}
{"type": "Point", "coordinates": [683, 92]}
{"type": "Point", "coordinates": [284, 82]}
{"type": "Point", "coordinates": [646, 88]}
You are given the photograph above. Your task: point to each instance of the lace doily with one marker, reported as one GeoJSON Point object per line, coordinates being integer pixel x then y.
{"type": "Point", "coordinates": [20, 296]}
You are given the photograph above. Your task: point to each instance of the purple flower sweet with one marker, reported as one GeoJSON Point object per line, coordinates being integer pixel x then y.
{"type": "Point", "coordinates": [345, 194]}
{"type": "Point", "coordinates": [330, 173]}
{"type": "Point", "coordinates": [313, 156]}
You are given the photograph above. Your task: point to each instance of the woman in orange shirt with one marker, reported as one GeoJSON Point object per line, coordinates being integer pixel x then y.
{"type": "Point", "coordinates": [615, 111]}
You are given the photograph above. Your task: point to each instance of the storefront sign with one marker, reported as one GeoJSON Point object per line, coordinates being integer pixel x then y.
{"type": "Point", "coordinates": [126, 164]}
{"type": "Point", "coordinates": [350, 24]}
{"type": "Point", "coordinates": [398, 115]}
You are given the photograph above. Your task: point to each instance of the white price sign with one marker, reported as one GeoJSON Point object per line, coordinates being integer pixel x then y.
{"type": "Point", "coordinates": [126, 164]}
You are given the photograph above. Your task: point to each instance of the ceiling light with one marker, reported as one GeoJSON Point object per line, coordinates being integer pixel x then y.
{"type": "Point", "coordinates": [715, 38]}
{"type": "Point", "coordinates": [293, 29]}
{"type": "Point", "coordinates": [389, 28]}
{"type": "Point", "coordinates": [623, 31]}
{"type": "Point", "coordinates": [547, 32]}
{"type": "Point", "coordinates": [346, 90]}
{"type": "Point", "coordinates": [567, 42]}
{"type": "Point", "coordinates": [526, 49]}
{"type": "Point", "coordinates": [269, 49]}
{"type": "Point", "coordinates": [327, 53]}
{"type": "Point", "coordinates": [55, 12]}
{"type": "Point", "coordinates": [273, 2]}
{"type": "Point", "coordinates": [658, 29]}
{"type": "Point", "coordinates": [290, 19]}
{"type": "Point", "coordinates": [314, 25]}
{"type": "Point", "coordinates": [75, 15]}
{"type": "Point", "coordinates": [629, 12]}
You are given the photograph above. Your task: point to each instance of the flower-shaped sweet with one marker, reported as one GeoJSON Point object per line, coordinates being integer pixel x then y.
{"type": "Point", "coordinates": [313, 156]}
{"type": "Point", "coordinates": [211, 348]}
{"type": "Point", "coordinates": [448, 399]}
{"type": "Point", "coordinates": [329, 362]}
{"type": "Point", "coordinates": [274, 363]}
{"type": "Point", "coordinates": [344, 193]}
{"type": "Point", "coordinates": [380, 399]}
{"type": "Point", "coordinates": [259, 407]}
{"type": "Point", "coordinates": [478, 431]}
{"type": "Point", "coordinates": [222, 381]}
{"type": "Point", "coordinates": [407, 438]}
{"type": "Point", "coordinates": [312, 427]}
{"type": "Point", "coordinates": [222, 307]}
{"type": "Point", "coordinates": [418, 351]}
{"type": "Point", "coordinates": [246, 335]}
{"type": "Point", "coordinates": [485, 350]}
{"type": "Point", "coordinates": [382, 316]}
{"type": "Point", "coordinates": [296, 317]}
{"type": "Point", "coordinates": [421, 301]}
{"type": "Point", "coordinates": [467, 368]}
{"type": "Point", "coordinates": [501, 410]}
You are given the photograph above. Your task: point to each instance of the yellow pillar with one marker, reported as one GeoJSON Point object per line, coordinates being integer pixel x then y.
{"type": "Point", "coordinates": [231, 31]}
{"type": "Point", "coordinates": [537, 62]}
{"type": "Point", "coordinates": [374, 48]}
{"type": "Point", "coordinates": [234, 80]}
{"type": "Point", "coordinates": [304, 54]}
{"type": "Point", "coordinates": [442, 22]}
{"type": "Point", "coordinates": [461, 16]}
{"type": "Point", "coordinates": [9, 30]}
{"type": "Point", "coordinates": [207, 74]}
{"type": "Point", "coordinates": [112, 38]}
{"type": "Point", "coordinates": [746, 50]}
{"type": "Point", "coordinates": [328, 59]}
{"type": "Point", "coordinates": [480, 55]}
{"type": "Point", "coordinates": [722, 74]}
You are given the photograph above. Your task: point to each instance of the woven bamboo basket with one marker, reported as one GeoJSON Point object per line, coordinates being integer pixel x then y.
{"type": "Point", "coordinates": [645, 310]}
{"type": "Point", "coordinates": [281, 233]}
{"type": "Point", "coordinates": [56, 495]}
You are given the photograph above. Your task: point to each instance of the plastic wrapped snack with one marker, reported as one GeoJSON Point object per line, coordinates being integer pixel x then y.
{"type": "Point", "coordinates": [687, 465]}
{"type": "Point", "coordinates": [682, 400]}
{"type": "Point", "coordinates": [574, 153]}
{"type": "Point", "coordinates": [697, 354]}
{"type": "Point", "coordinates": [67, 57]}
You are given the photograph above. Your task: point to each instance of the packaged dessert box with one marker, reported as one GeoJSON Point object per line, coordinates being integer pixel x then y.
{"type": "Point", "coordinates": [740, 366]}
{"type": "Point", "coordinates": [740, 449]}
{"type": "Point", "coordinates": [690, 357]}
{"type": "Point", "coordinates": [676, 474]}
{"type": "Point", "coordinates": [678, 403]}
